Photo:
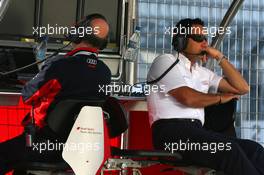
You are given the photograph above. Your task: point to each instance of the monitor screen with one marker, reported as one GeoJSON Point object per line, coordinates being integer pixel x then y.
{"type": "Point", "coordinates": [58, 14]}
{"type": "Point", "coordinates": [24, 57]}
{"type": "Point", "coordinates": [11, 59]}
{"type": "Point", "coordinates": [21, 18]}
{"type": "Point", "coordinates": [18, 20]}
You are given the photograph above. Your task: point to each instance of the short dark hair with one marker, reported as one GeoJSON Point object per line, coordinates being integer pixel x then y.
{"type": "Point", "coordinates": [187, 23]}
{"type": "Point", "coordinates": [181, 31]}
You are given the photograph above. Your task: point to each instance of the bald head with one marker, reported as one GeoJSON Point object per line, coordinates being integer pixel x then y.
{"type": "Point", "coordinates": [98, 37]}
{"type": "Point", "coordinates": [101, 26]}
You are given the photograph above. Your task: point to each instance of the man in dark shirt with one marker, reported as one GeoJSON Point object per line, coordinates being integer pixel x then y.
{"type": "Point", "coordinates": [78, 74]}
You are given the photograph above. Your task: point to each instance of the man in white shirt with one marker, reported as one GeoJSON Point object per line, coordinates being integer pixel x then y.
{"type": "Point", "coordinates": [177, 113]}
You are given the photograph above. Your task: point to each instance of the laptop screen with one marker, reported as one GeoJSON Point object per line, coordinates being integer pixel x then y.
{"type": "Point", "coordinates": [11, 59]}
{"type": "Point", "coordinates": [24, 57]}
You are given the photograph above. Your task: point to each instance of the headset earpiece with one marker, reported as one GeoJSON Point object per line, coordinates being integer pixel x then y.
{"type": "Point", "coordinates": [180, 38]}
{"type": "Point", "coordinates": [179, 42]}
{"type": "Point", "coordinates": [74, 37]}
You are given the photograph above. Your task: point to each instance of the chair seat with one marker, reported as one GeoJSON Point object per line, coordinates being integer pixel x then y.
{"type": "Point", "coordinates": [160, 157]}
{"type": "Point", "coordinates": [145, 153]}
{"type": "Point", "coordinates": [43, 166]}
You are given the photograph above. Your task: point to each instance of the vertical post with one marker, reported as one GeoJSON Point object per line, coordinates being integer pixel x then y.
{"type": "Point", "coordinates": [230, 14]}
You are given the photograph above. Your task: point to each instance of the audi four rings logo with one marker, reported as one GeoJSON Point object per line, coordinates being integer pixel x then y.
{"type": "Point", "coordinates": [91, 61]}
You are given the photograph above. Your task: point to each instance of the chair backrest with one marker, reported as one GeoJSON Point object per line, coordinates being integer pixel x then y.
{"type": "Point", "coordinates": [62, 116]}
{"type": "Point", "coordinates": [86, 148]}
{"type": "Point", "coordinates": [117, 121]}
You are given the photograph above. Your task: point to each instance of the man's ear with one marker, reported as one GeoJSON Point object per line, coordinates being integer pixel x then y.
{"type": "Point", "coordinates": [73, 45]}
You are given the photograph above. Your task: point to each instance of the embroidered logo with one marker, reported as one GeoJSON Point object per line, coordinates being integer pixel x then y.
{"type": "Point", "coordinates": [91, 62]}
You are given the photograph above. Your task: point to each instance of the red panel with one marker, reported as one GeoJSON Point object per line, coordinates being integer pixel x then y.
{"type": "Point", "coordinates": [10, 120]}
{"type": "Point", "coordinates": [4, 133]}
{"type": "Point", "coordinates": [139, 131]}
{"type": "Point", "coordinates": [115, 142]}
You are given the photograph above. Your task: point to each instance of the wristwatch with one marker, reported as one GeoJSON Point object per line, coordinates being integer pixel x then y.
{"type": "Point", "coordinates": [221, 59]}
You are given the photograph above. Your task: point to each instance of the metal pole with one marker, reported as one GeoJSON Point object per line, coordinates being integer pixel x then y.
{"type": "Point", "coordinates": [229, 16]}
{"type": "Point", "coordinates": [3, 7]}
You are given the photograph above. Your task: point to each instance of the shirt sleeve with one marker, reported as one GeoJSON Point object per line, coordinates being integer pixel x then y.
{"type": "Point", "coordinates": [31, 91]}
{"type": "Point", "coordinates": [173, 79]}
{"type": "Point", "coordinates": [214, 81]}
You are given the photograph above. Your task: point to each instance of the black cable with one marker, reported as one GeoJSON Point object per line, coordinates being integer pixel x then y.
{"type": "Point", "coordinates": [160, 77]}
{"type": "Point", "coordinates": [35, 63]}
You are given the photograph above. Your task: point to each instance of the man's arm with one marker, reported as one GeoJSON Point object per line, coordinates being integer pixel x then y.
{"type": "Point", "coordinates": [42, 85]}
{"type": "Point", "coordinates": [234, 82]}
{"type": "Point", "coordinates": [195, 99]}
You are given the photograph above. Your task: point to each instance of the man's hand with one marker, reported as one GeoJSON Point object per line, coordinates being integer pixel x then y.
{"type": "Point", "coordinates": [234, 82]}
{"type": "Point", "coordinates": [214, 53]}
{"type": "Point", "coordinates": [226, 97]}
{"type": "Point", "coordinates": [195, 99]}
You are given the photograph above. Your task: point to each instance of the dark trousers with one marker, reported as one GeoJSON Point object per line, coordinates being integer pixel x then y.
{"type": "Point", "coordinates": [14, 151]}
{"type": "Point", "coordinates": [208, 149]}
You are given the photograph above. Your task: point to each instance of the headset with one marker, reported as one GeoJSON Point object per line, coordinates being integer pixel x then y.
{"type": "Point", "coordinates": [180, 37]}
{"type": "Point", "coordinates": [182, 32]}
{"type": "Point", "coordinates": [160, 77]}
{"type": "Point", "coordinates": [165, 72]}
{"type": "Point", "coordinates": [101, 43]}
{"type": "Point", "coordinates": [179, 42]}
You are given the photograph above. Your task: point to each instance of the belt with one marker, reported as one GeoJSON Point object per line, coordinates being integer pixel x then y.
{"type": "Point", "coordinates": [186, 119]}
{"type": "Point", "coordinates": [174, 120]}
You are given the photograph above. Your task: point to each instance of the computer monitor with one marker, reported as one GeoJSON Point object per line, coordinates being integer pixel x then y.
{"type": "Point", "coordinates": [18, 20]}
{"type": "Point", "coordinates": [24, 57]}
{"type": "Point", "coordinates": [23, 17]}
{"type": "Point", "coordinates": [11, 59]}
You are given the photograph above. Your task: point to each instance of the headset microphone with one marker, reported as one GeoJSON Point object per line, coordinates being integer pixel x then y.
{"type": "Point", "coordinates": [203, 52]}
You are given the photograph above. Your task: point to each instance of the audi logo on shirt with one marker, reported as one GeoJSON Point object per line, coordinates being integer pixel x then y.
{"type": "Point", "coordinates": [92, 62]}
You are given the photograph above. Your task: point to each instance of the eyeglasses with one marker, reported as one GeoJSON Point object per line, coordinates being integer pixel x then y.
{"type": "Point", "coordinates": [198, 38]}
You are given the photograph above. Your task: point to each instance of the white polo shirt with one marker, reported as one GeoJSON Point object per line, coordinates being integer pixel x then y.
{"type": "Point", "coordinates": [161, 105]}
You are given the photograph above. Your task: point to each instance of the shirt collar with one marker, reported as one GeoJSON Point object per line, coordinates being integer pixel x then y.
{"type": "Point", "coordinates": [187, 62]}
{"type": "Point", "coordinates": [83, 51]}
